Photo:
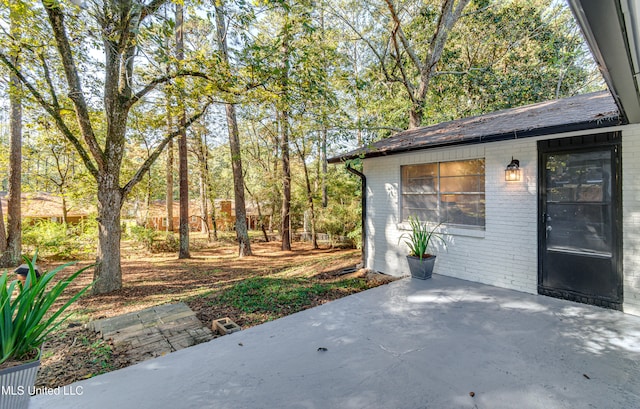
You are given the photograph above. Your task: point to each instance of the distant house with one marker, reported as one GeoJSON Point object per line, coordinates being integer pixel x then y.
{"type": "Point", "coordinates": [564, 223]}
{"type": "Point", "coordinates": [46, 206]}
{"type": "Point", "coordinates": [156, 216]}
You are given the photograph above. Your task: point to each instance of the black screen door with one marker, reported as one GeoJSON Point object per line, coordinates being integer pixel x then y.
{"type": "Point", "coordinates": [579, 243]}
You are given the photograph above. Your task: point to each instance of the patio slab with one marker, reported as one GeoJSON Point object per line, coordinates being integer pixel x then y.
{"type": "Point", "coordinates": [409, 344]}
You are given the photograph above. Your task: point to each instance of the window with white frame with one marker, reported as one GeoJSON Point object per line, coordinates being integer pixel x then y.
{"type": "Point", "coordinates": [445, 192]}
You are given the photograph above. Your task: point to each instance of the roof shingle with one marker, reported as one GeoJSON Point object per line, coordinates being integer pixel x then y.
{"type": "Point", "coordinates": [588, 111]}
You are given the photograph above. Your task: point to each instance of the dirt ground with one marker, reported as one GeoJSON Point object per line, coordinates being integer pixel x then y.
{"type": "Point", "coordinates": [74, 352]}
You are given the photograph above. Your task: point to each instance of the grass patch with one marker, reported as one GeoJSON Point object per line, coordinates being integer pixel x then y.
{"type": "Point", "coordinates": [273, 295]}
{"type": "Point", "coordinates": [102, 355]}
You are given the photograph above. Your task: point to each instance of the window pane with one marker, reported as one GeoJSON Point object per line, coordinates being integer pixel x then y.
{"type": "Point", "coordinates": [455, 184]}
{"type": "Point", "coordinates": [425, 169]}
{"type": "Point", "coordinates": [462, 168]}
{"type": "Point", "coordinates": [455, 195]}
{"type": "Point", "coordinates": [579, 227]}
{"type": "Point", "coordinates": [419, 178]}
{"type": "Point", "coordinates": [579, 177]}
{"type": "Point", "coordinates": [462, 209]}
{"type": "Point", "coordinates": [424, 207]}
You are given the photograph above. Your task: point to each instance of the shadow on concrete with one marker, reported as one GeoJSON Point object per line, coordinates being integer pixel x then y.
{"type": "Point", "coordinates": [409, 344]}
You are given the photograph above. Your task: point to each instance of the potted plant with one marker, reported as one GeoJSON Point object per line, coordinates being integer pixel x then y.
{"type": "Point", "coordinates": [420, 261]}
{"type": "Point", "coordinates": [27, 317]}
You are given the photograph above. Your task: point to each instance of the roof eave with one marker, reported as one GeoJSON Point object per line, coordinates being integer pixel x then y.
{"type": "Point", "coordinates": [609, 27]}
{"type": "Point", "coordinates": [518, 134]}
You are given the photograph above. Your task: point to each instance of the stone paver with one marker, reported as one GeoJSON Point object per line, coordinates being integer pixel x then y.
{"type": "Point", "coordinates": [154, 332]}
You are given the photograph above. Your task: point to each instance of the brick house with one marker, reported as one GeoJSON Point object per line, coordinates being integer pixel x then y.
{"type": "Point", "coordinates": [155, 216]}
{"type": "Point", "coordinates": [42, 206]}
{"type": "Point", "coordinates": [565, 224]}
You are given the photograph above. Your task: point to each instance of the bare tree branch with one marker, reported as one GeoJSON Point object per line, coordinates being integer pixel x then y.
{"type": "Point", "coordinates": [379, 57]}
{"type": "Point", "coordinates": [55, 114]}
{"type": "Point", "coordinates": [76, 94]}
{"type": "Point", "coordinates": [151, 8]}
{"type": "Point", "coordinates": [47, 77]}
{"type": "Point", "coordinates": [160, 80]}
{"type": "Point", "coordinates": [158, 150]}
{"type": "Point", "coordinates": [397, 30]}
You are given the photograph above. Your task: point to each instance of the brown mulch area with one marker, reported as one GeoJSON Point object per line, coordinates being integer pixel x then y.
{"type": "Point", "coordinates": [74, 353]}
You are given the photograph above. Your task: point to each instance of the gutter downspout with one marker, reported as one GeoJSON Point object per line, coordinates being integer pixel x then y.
{"type": "Point", "coordinates": [363, 178]}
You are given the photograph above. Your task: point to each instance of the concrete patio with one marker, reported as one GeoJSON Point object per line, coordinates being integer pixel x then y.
{"type": "Point", "coordinates": [410, 344]}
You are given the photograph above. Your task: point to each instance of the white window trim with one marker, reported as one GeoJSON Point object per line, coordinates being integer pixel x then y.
{"type": "Point", "coordinates": [446, 229]}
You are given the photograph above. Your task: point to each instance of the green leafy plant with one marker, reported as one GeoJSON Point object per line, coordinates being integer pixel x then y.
{"type": "Point", "coordinates": [25, 318]}
{"type": "Point", "coordinates": [143, 235]}
{"type": "Point", "coordinates": [420, 238]}
{"type": "Point", "coordinates": [60, 241]}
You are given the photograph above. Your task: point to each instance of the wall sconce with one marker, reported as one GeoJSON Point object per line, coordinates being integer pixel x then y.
{"type": "Point", "coordinates": [512, 173]}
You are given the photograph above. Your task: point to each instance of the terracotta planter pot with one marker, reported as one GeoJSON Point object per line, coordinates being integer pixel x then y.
{"type": "Point", "coordinates": [16, 383]}
{"type": "Point", "coordinates": [421, 269]}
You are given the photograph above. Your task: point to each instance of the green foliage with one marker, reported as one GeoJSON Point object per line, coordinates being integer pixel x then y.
{"type": "Point", "coordinates": [143, 235]}
{"type": "Point", "coordinates": [342, 216]}
{"type": "Point", "coordinates": [27, 318]}
{"type": "Point", "coordinates": [60, 241]}
{"type": "Point", "coordinates": [356, 236]}
{"type": "Point", "coordinates": [270, 295]}
{"type": "Point", "coordinates": [420, 238]}
{"type": "Point", "coordinates": [101, 354]}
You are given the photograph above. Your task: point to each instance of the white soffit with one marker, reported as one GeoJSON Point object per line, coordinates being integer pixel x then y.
{"type": "Point", "coordinates": [611, 28]}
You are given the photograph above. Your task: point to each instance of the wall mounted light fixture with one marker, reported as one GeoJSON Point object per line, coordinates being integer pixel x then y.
{"type": "Point", "coordinates": [512, 173]}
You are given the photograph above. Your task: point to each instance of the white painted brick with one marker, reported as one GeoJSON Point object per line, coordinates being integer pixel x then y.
{"type": "Point", "coordinates": [511, 223]}
{"type": "Point", "coordinates": [507, 254]}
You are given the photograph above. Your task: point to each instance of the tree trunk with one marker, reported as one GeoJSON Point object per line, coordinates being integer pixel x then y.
{"type": "Point", "coordinates": [286, 182]}
{"type": "Point", "coordinates": [212, 215]}
{"type": "Point", "coordinates": [204, 208]}
{"type": "Point", "coordinates": [214, 220]}
{"type": "Point", "coordinates": [244, 244]}
{"type": "Point", "coordinates": [65, 211]}
{"type": "Point", "coordinates": [314, 239]}
{"type": "Point", "coordinates": [260, 217]}
{"type": "Point", "coordinates": [325, 193]}
{"type": "Point", "coordinates": [284, 138]}
{"type": "Point", "coordinates": [450, 12]}
{"type": "Point", "coordinates": [184, 195]}
{"type": "Point", "coordinates": [209, 195]}
{"type": "Point", "coordinates": [323, 143]}
{"type": "Point", "coordinates": [242, 233]}
{"type": "Point", "coordinates": [12, 254]}
{"type": "Point", "coordinates": [415, 117]}
{"type": "Point", "coordinates": [107, 272]}
{"type": "Point", "coordinates": [182, 148]}
{"type": "Point", "coordinates": [169, 200]}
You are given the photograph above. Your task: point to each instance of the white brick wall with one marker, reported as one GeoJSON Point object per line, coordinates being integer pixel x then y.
{"type": "Point", "coordinates": [505, 253]}
{"type": "Point", "coordinates": [511, 229]}
{"type": "Point", "coordinates": [631, 218]}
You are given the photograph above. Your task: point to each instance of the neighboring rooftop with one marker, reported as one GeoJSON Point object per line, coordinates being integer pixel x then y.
{"type": "Point", "coordinates": [44, 205]}
{"type": "Point", "coordinates": [588, 111]}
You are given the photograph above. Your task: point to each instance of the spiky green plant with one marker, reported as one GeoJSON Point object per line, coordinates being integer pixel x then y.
{"type": "Point", "coordinates": [25, 321]}
{"type": "Point", "coordinates": [420, 237]}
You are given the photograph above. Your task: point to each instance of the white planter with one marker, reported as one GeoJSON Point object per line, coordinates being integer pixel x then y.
{"type": "Point", "coordinates": [16, 383]}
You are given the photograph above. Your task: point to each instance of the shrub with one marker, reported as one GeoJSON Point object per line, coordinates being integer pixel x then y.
{"type": "Point", "coordinates": [143, 235]}
{"type": "Point", "coordinates": [57, 240]}
{"type": "Point", "coordinates": [25, 321]}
